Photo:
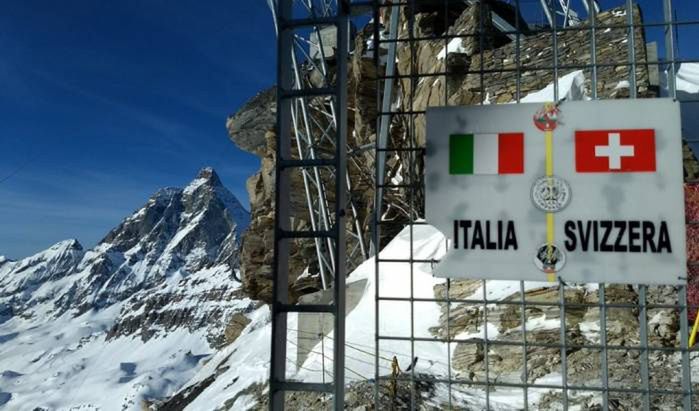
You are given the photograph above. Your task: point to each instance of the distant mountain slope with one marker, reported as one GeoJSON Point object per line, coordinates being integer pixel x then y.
{"type": "Point", "coordinates": [127, 321]}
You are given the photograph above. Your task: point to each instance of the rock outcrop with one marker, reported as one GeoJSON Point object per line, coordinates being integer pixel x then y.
{"type": "Point", "coordinates": [251, 122]}
{"type": "Point", "coordinates": [504, 353]}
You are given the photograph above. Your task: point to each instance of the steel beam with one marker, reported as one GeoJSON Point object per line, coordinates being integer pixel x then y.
{"type": "Point", "coordinates": [282, 199]}
{"type": "Point", "coordinates": [343, 14]}
{"type": "Point", "coordinates": [291, 94]}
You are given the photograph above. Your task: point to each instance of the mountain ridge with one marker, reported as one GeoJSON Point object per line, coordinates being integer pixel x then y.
{"type": "Point", "coordinates": [162, 281]}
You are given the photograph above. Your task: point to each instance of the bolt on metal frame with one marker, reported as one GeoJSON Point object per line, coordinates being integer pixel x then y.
{"type": "Point", "coordinates": [412, 152]}
{"type": "Point", "coordinates": [328, 227]}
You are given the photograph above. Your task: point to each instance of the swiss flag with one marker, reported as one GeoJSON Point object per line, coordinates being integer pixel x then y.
{"type": "Point", "coordinates": [614, 151]}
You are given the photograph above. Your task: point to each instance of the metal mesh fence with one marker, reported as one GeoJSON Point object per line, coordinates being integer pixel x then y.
{"type": "Point", "coordinates": [517, 344]}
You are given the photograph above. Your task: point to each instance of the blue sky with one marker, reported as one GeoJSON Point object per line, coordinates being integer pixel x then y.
{"type": "Point", "coordinates": [104, 102]}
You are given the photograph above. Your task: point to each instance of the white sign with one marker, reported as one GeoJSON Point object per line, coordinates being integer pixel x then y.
{"type": "Point", "coordinates": [589, 191]}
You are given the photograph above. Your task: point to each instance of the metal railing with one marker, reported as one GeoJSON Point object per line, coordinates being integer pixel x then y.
{"type": "Point", "coordinates": [329, 235]}
{"type": "Point", "coordinates": [647, 384]}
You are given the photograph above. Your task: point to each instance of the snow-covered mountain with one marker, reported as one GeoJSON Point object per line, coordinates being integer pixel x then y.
{"type": "Point", "coordinates": [126, 322]}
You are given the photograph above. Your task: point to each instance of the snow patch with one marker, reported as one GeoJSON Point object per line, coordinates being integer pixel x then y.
{"type": "Point", "coordinates": [571, 87]}
{"type": "Point", "coordinates": [622, 85]}
{"type": "Point", "coordinates": [454, 46]}
{"type": "Point", "coordinates": [194, 185]}
{"type": "Point", "coordinates": [687, 78]}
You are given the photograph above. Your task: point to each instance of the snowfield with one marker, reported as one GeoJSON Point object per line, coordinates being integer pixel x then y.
{"type": "Point", "coordinates": [130, 321]}
{"type": "Point", "coordinates": [245, 362]}
{"type": "Point", "coordinates": [68, 362]}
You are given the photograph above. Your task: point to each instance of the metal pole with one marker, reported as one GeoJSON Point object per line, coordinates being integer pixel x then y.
{"type": "Point", "coordinates": [451, 406]}
{"type": "Point", "coordinates": [632, 49]}
{"type": "Point", "coordinates": [564, 354]}
{"type": "Point", "coordinates": [670, 48]}
{"type": "Point", "coordinates": [594, 8]}
{"type": "Point", "coordinates": [376, 215]}
{"type": "Point", "coordinates": [518, 56]}
{"type": "Point", "coordinates": [684, 346]}
{"type": "Point", "coordinates": [486, 348]}
{"type": "Point", "coordinates": [343, 12]}
{"type": "Point", "coordinates": [280, 288]}
{"type": "Point", "coordinates": [547, 11]}
{"type": "Point", "coordinates": [566, 13]}
{"type": "Point", "coordinates": [385, 117]}
{"type": "Point", "coordinates": [523, 319]}
{"type": "Point", "coordinates": [554, 40]}
{"type": "Point", "coordinates": [593, 47]}
{"type": "Point", "coordinates": [309, 202]}
{"type": "Point", "coordinates": [603, 342]}
{"type": "Point", "coordinates": [643, 358]}
{"type": "Point", "coordinates": [414, 73]}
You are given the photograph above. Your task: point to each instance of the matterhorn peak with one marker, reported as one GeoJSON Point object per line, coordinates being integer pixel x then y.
{"type": "Point", "coordinates": [207, 173]}
{"type": "Point", "coordinates": [164, 275]}
{"type": "Point", "coordinates": [206, 177]}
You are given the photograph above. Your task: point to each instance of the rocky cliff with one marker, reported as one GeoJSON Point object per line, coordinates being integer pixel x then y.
{"type": "Point", "coordinates": [480, 50]}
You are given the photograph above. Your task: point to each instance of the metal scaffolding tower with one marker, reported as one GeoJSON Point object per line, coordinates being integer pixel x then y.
{"type": "Point", "coordinates": [314, 61]}
{"type": "Point", "coordinates": [295, 98]}
{"type": "Point", "coordinates": [311, 144]}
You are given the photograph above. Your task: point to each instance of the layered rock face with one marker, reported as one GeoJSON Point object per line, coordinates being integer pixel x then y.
{"type": "Point", "coordinates": [503, 355]}
{"type": "Point", "coordinates": [162, 282]}
{"type": "Point", "coordinates": [257, 249]}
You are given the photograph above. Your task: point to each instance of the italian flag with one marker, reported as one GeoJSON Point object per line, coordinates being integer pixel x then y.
{"type": "Point", "coordinates": [501, 153]}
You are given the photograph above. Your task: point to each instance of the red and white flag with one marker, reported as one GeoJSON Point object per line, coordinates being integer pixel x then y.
{"type": "Point", "coordinates": [614, 151]}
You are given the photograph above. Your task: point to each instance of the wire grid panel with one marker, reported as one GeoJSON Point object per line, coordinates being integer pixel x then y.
{"type": "Point", "coordinates": [477, 344]}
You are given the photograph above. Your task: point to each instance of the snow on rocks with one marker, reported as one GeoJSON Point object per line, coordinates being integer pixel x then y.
{"type": "Point", "coordinates": [571, 87]}
{"type": "Point", "coordinates": [236, 377]}
{"type": "Point", "coordinates": [454, 46]}
{"type": "Point", "coordinates": [623, 84]}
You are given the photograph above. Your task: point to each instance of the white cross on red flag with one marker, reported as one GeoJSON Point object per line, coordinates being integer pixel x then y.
{"type": "Point", "coordinates": [614, 151]}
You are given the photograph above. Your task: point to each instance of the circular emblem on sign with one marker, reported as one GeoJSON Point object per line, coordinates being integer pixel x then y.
{"type": "Point", "coordinates": [549, 258]}
{"type": "Point", "coordinates": [546, 118]}
{"type": "Point", "coordinates": [550, 194]}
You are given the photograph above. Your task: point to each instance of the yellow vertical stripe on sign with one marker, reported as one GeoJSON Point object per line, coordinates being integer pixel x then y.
{"type": "Point", "coordinates": [693, 335]}
{"type": "Point", "coordinates": [549, 228]}
{"type": "Point", "coordinates": [550, 233]}
{"type": "Point", "coordinates": [549, 153]}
